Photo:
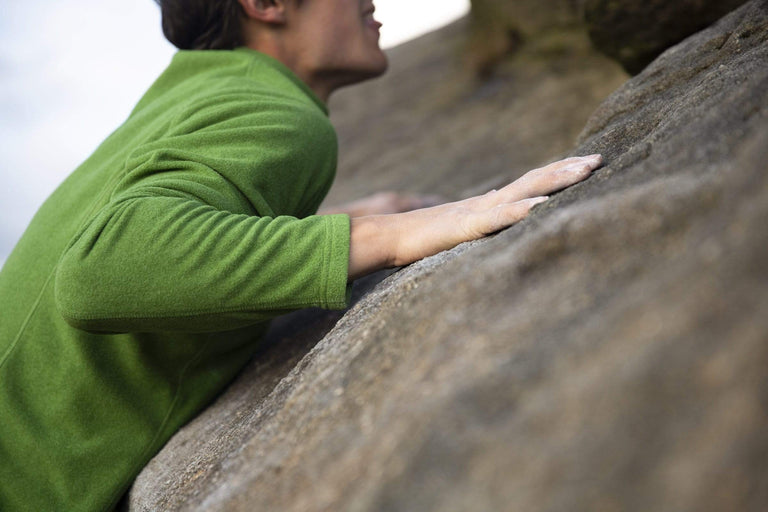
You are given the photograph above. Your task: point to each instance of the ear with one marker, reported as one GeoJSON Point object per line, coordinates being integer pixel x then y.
{"type": "Point", "coordinates": [266, 11]}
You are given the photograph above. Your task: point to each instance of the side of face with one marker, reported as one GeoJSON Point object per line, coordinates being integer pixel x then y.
{"type": "Point", "coordinates": [337, 40]}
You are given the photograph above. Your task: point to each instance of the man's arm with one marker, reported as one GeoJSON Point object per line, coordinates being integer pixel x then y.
{"type": "Point", "coordinates": [381, 241]}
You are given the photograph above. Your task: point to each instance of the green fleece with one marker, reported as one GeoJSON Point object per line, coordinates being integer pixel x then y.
{"type": "Point", "coordinates": [145, 282]}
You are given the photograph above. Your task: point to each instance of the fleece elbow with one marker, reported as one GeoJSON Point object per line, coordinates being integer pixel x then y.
{"type": "Point", "coordinates": [76, 292]}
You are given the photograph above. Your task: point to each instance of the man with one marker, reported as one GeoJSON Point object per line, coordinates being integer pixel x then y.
{"type": "Point", "coordinates": [144, 283]}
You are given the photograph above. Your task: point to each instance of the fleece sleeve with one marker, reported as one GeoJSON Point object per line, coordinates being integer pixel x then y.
{"type": "Point", "coordinates": [183, 243]}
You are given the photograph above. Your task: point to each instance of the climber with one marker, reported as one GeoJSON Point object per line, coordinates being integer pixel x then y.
{"type": "Point", "coordinates": [144, 283]}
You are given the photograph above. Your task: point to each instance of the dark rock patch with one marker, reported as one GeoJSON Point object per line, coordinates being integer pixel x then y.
{"type": "Point", "coordinates": [634, 32]}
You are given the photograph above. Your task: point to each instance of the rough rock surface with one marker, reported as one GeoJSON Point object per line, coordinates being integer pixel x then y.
{"type": "Point", "coordinates": [429, 127]}
{"type": "Point", "coordinates": [635, 32]}
{"type": "Point", "coordinates": [608, 353]}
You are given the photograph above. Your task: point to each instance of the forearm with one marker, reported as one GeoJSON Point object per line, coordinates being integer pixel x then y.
{"type": "Point", "coordinates": [384, 241]}
{"type": "Point", "coordinates": [372, 244]}
{"type": "Point", "coordinates": [381, 241]}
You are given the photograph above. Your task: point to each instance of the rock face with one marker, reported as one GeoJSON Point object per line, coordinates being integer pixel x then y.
{"type": "Point", "coordinates": [500, 27]}
{"type": "Point", "coordinates": [610, 352]}
{"type": "Point", "coordinates": [427, 126]}
{"type": "Point", "coordinates": [635, 32]}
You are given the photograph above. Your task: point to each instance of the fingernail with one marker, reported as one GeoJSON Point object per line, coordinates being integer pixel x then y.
{"type": "Point", "coordinates": [596, 156]}
{"type": "Point", "coordinates": [540, 199]}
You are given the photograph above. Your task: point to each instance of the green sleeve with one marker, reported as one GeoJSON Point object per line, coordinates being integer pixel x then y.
{"type": "Point", "coordinates": [198, 234]}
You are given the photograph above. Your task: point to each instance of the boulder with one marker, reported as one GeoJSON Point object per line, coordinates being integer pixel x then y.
{"type": "Point", "coordinates": [635, 32]}
{"type": "Point", "coordinates": [499, 28]}
{"type": "Point", "coordinates": [428, 126]}
{"type": "Point", "coordinates": [607, 353]}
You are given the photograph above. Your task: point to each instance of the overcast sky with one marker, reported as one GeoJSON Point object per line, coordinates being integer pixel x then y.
{"type": "Point", "coordinates": [70, 72]}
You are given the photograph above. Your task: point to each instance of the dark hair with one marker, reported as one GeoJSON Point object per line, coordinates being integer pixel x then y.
{"type": "Point", "coordinates": [202, 24]}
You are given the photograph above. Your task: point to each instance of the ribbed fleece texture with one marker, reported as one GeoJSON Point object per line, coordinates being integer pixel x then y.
{"type": "Point", "coordinates": [146, 281]}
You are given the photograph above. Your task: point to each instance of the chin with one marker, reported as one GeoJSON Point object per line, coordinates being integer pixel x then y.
{"type": "Point", "coordinates": [351, 74]}
{"type": "Point", "coordinates": [373, 68]}
{"type": "Point", "coordinates": [382, 65]}
{"type": "Point", "coordinates": [379, 64]}
{"type": "Point", "coordinates": [371, 73]}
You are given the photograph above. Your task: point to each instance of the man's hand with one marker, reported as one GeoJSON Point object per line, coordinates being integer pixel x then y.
{"type": "Point", "coordinates": [380, 241]}
{"type": "Point", "coordinates": [383, 203]}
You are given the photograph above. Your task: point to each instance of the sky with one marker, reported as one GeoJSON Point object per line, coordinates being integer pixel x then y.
{"type": "Point", "coordinates": [69, 76]}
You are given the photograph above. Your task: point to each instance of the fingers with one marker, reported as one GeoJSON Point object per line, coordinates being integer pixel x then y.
{"type": "Point", "coordinates": [504, 215]}
{"type": "Point", "coordinates": [551, 178]}
{"type": "Point", "coordinates": [425, 232]}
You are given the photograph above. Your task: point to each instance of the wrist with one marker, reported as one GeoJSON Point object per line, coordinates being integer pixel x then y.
{"type": "Point", "coordinates": [372, 245]}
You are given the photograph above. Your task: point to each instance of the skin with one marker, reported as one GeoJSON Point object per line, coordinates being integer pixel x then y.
{"type": "Point", "coordinates": [330, 44]}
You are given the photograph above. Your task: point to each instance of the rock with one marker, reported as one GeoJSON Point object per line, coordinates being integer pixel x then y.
{"type": "Point", "coordinates": [607, 353]}
{"type": "Point", "coordinates": [428, 126]}
{"type": "Point", "coordinates": [499, 27]}
{"type": "Point", "coordinates": [635, 32]}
